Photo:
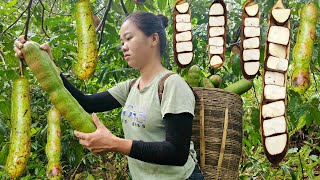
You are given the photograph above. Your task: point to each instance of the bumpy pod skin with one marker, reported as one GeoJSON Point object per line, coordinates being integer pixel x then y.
{"type": "Point", "coordinates": [87, 43]}
{"type": "Point", "coordinates": [302, 51]}
{"type": "Point", "coordinates": [45, 71]}
{"type": "Point", "coordinates": [20, 128]}
{"type": "Point", "coordinates": [53, 147]}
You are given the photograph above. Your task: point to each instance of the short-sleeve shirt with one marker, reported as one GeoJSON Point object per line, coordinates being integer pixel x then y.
{"type": "Point", "coordinates": [142, 119]}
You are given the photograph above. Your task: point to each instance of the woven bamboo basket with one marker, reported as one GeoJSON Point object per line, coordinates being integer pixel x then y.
{"type": "Point", "coordinates": [217, 132]}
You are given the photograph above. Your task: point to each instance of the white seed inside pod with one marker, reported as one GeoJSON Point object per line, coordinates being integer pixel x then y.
{"type": "Point", "coordinates": [216, 61]}
{"type": "Point", "coordinates": [216, 50]}
{"type": "Point", "coordinates": [185, 58]}
{"type": "Point", "coordinates": [278, 50]}
{"type": "Point", "coordinates": [252, 10]}
{"type": "Point", "coordinates": [251, 68]}
{"type": "Point", "coordinates": [279, 35]}
{"type": "Point", "coordinates": [274, 126]}
{"type": "Point", "coordinates": [182, 27]}
{"type": "Point", "coordinates": [216, 31]}
{"type": "Point", "coordinates": [273, 92]}
{"type": "Point", "coordinates": [183, 18]}
{"type": "Point", "coordinates": [281, 15]}
{"type": "Point", "coordinates": [182, 8]}
{"type": "Point", "coordinates": [251, 32]}
{"type": "Point", "coordinates": [252, 22]}
{"type": "Point", "coordinates": [184, 36]}
{"type": "Point", "coordinates": [251, 43]}
{"type": "Point", "coordinates": [276, 144]}
{"type": "Point", "coordinates": [251, 54]}
{"type": "Point", "coordinates": [277, 64]}
{"type": "Point", "coordinates": [184, 46]}
{"type": "Point", "coordinates": [216, 41]}
{"type": "Point", "coordinates": [216, 21]}
{"type": "Point", "coordinates": [274, 78]}
{"type": "Point", "coordinates": [216, 9]}
{"type": "Point", "coordinates": [273, 109]}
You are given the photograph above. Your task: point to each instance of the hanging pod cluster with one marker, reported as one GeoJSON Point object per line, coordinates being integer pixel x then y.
{"type": "Point", "coordinates": [302, 51]}
{"type": "Point", "coordinates": [217, 32]}
{"type": "Point", "coordinates": [274, 133]}
{"type": "Point", "coordinates": [87, 43]}
{"type": "Point", "coordinates": [182, 34]}
{"type": "Point", "coordinates": [46, 73]}
{"type": "Point", "coordinates": [250, 40]}
{"type": "Point", "coordinates": [20, 145]}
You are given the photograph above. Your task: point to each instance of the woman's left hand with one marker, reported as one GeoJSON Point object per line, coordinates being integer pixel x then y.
{"type": "Point", "coordinates": [100, 140]}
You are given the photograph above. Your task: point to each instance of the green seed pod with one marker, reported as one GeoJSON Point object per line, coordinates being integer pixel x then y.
{"type": "Point", "coordinates": [20, 146]}
{"type": "Point", "coordinates": [45, 71]}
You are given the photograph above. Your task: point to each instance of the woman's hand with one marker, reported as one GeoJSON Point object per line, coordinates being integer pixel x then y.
{"type": "Point", "coordinates": [100, 140]}
{"type": "Point", "coordinates": [18, 46]}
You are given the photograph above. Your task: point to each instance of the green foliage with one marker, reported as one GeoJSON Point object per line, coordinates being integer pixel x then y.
{"type": "Point", "coordinates": [303, 112]}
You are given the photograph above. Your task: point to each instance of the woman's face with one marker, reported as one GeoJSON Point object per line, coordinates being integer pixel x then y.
{"type": "Point", "coordinates": [137, 47]}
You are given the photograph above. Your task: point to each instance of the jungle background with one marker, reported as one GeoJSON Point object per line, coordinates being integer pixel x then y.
{"type": "Point", "coordinates": [53, 21]}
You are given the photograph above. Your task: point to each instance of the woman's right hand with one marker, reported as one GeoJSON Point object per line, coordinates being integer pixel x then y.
{"type": "Point", "coordinates": [18, 46]}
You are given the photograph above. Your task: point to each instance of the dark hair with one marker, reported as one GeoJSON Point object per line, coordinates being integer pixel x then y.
{"type": "Point", "coordinates": [149, 24]}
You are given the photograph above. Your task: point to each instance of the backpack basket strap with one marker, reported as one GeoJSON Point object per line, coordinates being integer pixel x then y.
{"type": "Point", "coordinates": [161, 85]}
{"type": "Point", "coordinates": [131, 84]}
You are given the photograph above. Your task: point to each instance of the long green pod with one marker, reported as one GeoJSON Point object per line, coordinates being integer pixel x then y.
{"type": "Point", "coordinates": [240, 87]}
{"type": "Point", "coordinates": [53, 147]}
{"type": "Point", "coordinates": [87, 43]}
{"type": "Point", "coordinates": [19, 150]}
{"type": "Point", "coordinates": [45, 71]}
{"type": "Point", "coordinates": [302, 51]}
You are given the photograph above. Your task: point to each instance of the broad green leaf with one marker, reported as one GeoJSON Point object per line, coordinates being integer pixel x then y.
{"type": "Point", "coordinates": [162, 4]}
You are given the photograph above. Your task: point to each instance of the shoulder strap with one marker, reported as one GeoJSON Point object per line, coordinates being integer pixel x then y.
{"type": "Point", "coordinates": [131, 84]}
{"type": "Point", "coordinates": [161, 85]}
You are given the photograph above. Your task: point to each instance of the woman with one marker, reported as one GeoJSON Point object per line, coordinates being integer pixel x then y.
{"type": "Point", "coordinates": [157, 135]}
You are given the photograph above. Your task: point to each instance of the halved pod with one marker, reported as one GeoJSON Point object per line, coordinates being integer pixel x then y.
{"type": "Point", "coordinates": [274, 126]}
{"type": "Point", "coordinates": [184, 36]}
{"type": "Point", "coordinates": [281, 15]}
{"type": "Point", "coordinates": [216, 41]}
{"type": "Point", "coordinates": [252, 10]}
{"type": "Point", "coordinates": [182, 7]}
{"type": "Point", "coordinates": [251, 55]}
{"type": "Point", "coordinates": [277, 64]}
{"type": "Point", "coordinates": [185, 58]}
{"type": "Point", "coordinates": [274, 109]}
{"type": "Point", "coordinates": [274, 78]}
{"type": "Point", "coordinates": [251, 68]}
{"type": "Point", "coordinates": [274, 92]}
{"type": "Point", "coordinates": [277, 50]}
{"type": "Point", "coordinates": [251, 43]}
{"type": "Point", "coordinates": [251, 32]}
{"type": "Point", "coordinates": [216, 61]}
{"type": "Point", "coordinates": [279, 35]}
{"type": "Point", "coordinates": [216, 9]}
{"type": "Point", "coordinates": [216, 31]}
{"type": "Point", "coordinates": [185, 18]}
{"type": "Point", "coordinates": [276, 144]}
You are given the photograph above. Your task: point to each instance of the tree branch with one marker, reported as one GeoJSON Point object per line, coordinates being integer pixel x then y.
{"type": "Point", "coordinates": [104, 22]}
{"type": "Point", "coordinates": [42, 19]}
{"type": "Point", "coordinates": [124, 8]}
{"type": "Point", "coordinates": [28, 20]}
{"type": "Point", "coordinates": [13, 22]}
{"type": "Point", "coordinates": [3, 60]}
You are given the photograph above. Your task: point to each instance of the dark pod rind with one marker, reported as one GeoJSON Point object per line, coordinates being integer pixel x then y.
{"type": "Point", "coordinates": [242, 36]}
{"type": "Point", "coordinates": [277, 158]}
{"type": "Point", "coordinates": [175, 32]}
{"type": "Point", "coordinates": [222, 56]}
